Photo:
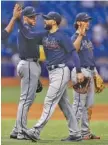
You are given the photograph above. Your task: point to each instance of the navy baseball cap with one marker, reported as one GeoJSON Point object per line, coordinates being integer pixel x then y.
{"type": "Point", "coordinates": [53, 16]}
{"type": "Point", "coordinates": [29, 11]}
{"type": "Point", "coordinates": [83, 17]}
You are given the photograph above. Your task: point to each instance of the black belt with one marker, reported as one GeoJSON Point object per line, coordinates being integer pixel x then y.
{"type": "Point", "coordinates": [89, 67]}
{"type": "Point", "coordinates": [30, 59]}
{"type": "Point", "coordinates": [52, 67]}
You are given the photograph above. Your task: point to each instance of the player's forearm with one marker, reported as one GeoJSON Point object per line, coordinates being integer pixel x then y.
{"type": "Point", "coordinates": [10, 26]}
{"type": "Point", "coordinates": [77, 42]}
{"type": "Point", "coordinates": [4, 35]}
{"type": "Point", "coordinates": [31, 34]}
{"type": "Point", "coordinates": [76, 60]}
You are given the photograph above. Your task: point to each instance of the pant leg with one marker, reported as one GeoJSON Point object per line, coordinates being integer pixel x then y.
{"type": "Point", "coordinates": [58, 82]}
{"type": "Point", "coordinates": [68, 112]}
{"type": "Point", "coordinates": [79, 101]}
{"type": "Point", "coordinates": [29, 73]}
{"type": "Point", "coordinates": [82, 101]}
{"type": "Point", "coordinates": [87, 112]}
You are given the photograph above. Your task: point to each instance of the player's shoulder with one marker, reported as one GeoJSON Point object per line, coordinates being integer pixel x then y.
{"type": "Point", "coordinates": [63, 34]}
{"type": "Point", "coordinates": [27, 26]}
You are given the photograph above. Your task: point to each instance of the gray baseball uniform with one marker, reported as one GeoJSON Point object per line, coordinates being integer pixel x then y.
{"type": "Point", "coordinates": [57, 48]}
{"type": "Point", "coordinates": [83, 102]}
{"type": "Point", "coordinates": [29, 71]}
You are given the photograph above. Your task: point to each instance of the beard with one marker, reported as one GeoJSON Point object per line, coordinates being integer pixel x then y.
{"type": "Point", "coordinates": [48, 27]}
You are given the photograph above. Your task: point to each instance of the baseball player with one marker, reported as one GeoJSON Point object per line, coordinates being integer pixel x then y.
{"type": "Point", "coordinates": [28, 69]}
{"type": "Point", "coordinates": [16, 14]}
{"type": "Point", "coordinates": [58, 47]}
{"type": "Point", "coordinates": [83, 103]}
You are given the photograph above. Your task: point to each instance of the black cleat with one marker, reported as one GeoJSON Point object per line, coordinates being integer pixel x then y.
{"type": "Point", "coordinates": [13, 136]}
{"type": "Point", "coordinates": [73, 138]}
{"type": "Point", "coordinates": [31, 134]}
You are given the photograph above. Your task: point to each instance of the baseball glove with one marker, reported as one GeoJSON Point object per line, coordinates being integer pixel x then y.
{"type": "Point", "coordinates": [99, 84]}
{"type": "Point", "coordinates": [39, 87]}
{"type": "Point", "coordinates": [82, 87]}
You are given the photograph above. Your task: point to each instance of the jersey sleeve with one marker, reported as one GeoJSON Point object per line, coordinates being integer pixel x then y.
{"type": "Point", "coordinates": [74, 37]}
{"type": "Point", "coordinates": [4, 34]}
{"type": "Point", "coordinates": [33, 35]}
{"type": "Point", "coordinates": [75, 58]}
{"type": "Point", "coordinates": [69, 48]}
{"type": "Point", "coordinates": [66, 43]}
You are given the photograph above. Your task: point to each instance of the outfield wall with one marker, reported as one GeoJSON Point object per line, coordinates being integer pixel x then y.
{"type": "Point", "coordinates": [15, 81]}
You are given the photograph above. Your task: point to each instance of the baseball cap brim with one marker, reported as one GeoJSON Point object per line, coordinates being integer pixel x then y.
{"type": "Point", "coordinates": [34, 14]}
{"type": "Point", "coordinates": [84, 19]}
{"type": "Point", "coordinates": [46, 17]}
{"type": "Point", "coordinates": [88, 18]}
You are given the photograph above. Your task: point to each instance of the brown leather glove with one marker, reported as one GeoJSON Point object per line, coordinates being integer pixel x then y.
{"type": "Point", "coordinates": [99, 83]}
{"type": "Point", "coordinates": [39, 87]}
{"type": "Point", "coordinates": [82, 87]}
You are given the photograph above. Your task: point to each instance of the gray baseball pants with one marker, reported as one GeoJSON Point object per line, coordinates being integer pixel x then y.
{"type": "Point", "coordinates": [29, 72]}
{"type": "Point", "coordinates": [57, 94]}
{"type": "Point", "coordinates": [82, 103]}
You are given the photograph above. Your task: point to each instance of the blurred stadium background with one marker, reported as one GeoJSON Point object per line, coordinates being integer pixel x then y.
{"type": "Point", "coordinates": [11, 84]}
{"type": "Point", "coordinates": [98, 31]}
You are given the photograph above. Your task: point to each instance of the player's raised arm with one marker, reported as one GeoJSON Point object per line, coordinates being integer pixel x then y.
{"type": "Point", "coordinates": [77, 42]}
{"type": "Point", "coordinates": [77, 39]}
{"type": "Point", "coordinates": [32, 34]}
{"type": "Point", "coordinates": [16, 14]}
{"type": "Point", "coordinates": [25, 29]}
{"type": "Point", "coordinates": [80, 27]}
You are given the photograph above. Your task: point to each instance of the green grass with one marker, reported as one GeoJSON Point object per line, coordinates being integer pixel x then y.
{"type": "Point", "coordinates": [53, 132]}
{"type": "Point", "coordinates": [11, 95]}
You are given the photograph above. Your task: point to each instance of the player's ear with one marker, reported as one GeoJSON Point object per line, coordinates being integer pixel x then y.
{"type": "Point", "coordinates": [78, 23]}
{"type": "Point", "coordinates": [25, 19]}
{"type": "Point", "coordinates": [54, 22]}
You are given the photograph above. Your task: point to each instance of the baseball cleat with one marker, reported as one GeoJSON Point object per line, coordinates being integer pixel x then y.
{"type": "Point", "coordinates": [91, 136]}
{"type": "Point", "coordinates": [22, 136]}
{"type": "Point", "coordinates": [31, 134]}
{"type": "Point", "coordinates": [72, 138]}
{"type": "Point", "coordinates": [13, 134]}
